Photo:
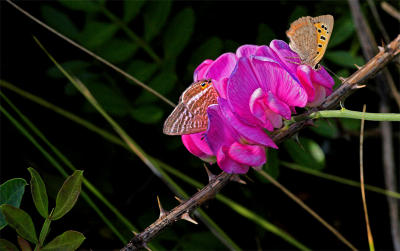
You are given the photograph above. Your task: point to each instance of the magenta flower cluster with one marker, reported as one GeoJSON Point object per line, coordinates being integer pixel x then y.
{"type": "Point", "coordinates": [258, 87]}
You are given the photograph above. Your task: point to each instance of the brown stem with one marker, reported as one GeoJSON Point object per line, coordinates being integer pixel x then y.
{"type": "Point", "coordinates": [390, 10]}
{"type": "Point", "coordinates": [215, 185]}
{"type": "Point", "coordinates": [368, 44]}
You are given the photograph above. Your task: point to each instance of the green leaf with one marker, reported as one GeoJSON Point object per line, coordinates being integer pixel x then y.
{"type": "Point", "coordinates": [178, 32]}
{"type": "Point", "coordinates": [265, 34]}
{"type": "Point", "coordinates": [117, 50]}
{"type": "Point", "coordinates": [163, 83]}
{"type": "Point", "coordinates": [69, 240]}
{"type": "Point", "coordinates": [210, 48]}
{"type": "Point", "coordinates": [344, 29]}
{"type": "Point", "coordinates": [20, 221]}
{"type": "Point", "coordinates": [59, 21]}
{"type": "Point", "coordinates": [39, 193]}
{"type": "Point", "coordinates": [75, 67]}
{"type": "Point", "coordinates": [325, 128]}
{"type": "Point", "coordinates": [44, 231]}
{"type": "Point", "coordinates": [141, 70]}
{"type": "Point", "coordinates": [110, 98]}
{"type": "Point", "coordinates": [95, 34]}
{"type": "Point", "coordinates": [155, 16]}
{"type": "Point", "coordinates": [271, 167]}
{"type": "Point", "coordinates": [148, 114]}
{"type": "Point", "coordinates": [351, 124]}
{"type": "Point", "coordinates": [11, 193]}
{"type": "Point", "coordinates": [308, 153]}
{"type": "Point", "coordinates": [344, 58]}
{"type": "Point", "coordinates": [7, 246]}
{"type": "Point", "coordinates": [81, 5]}
{"type": "Point", "coordinates": [68, 195]}
{"type": "Point", "coordinates": [131, 9]}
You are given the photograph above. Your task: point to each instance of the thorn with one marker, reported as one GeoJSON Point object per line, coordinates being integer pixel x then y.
{"type": "Point", "coordinates": [179, 199]}
{"type": "Point", "coordinates": [211, 176]}
{"type": "Point", "coordinates": [135, 233]}
{"type": "Point", "coordinates": [381, 48]}
{"type": "Point", "coordinates": [342, 79]}
{"type": "Point", "coordinates": [357, 66]}
{"type": "Point", "coordinates": [146, 247]}
{"type": "Point", "coordinates": [162, 211]}
{"type": "Point", "coordinates": [360, 86]}
{"type": "Point", "coordinates": [187, 217]}
{"type": "Point", "coordinates": [237, 179]}
{"type": "Point", "coordinates": [341, 105]}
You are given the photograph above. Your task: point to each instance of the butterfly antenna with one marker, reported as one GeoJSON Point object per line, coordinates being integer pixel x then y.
{"type": "Point", "coordinates": [338, 77]}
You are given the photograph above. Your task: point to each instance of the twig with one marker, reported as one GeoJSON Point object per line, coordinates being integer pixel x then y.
{"type": "Point", "coordinates": [378, 21]}
{"type": "Point", "coordinates": [349, 85]}
{"type": "Point", "coordinates": [368, 44]}
{"type": "Point", "coordinates": [390, 10]}
{"type": "Point", "coordinates": [369, 233]}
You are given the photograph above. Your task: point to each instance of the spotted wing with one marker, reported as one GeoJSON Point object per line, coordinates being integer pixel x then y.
{"type": "Point", "coordinates": [324, 27]}
{"type": "Point", "coordinates": [302, 35]}
{"type": "Point", "coordinates": [190, 116]}
{"type": "Point", "coordinates": [182, 121]}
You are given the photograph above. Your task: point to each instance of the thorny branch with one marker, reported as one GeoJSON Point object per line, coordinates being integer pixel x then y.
{"type": "Point", "coordinates": [215, 184]}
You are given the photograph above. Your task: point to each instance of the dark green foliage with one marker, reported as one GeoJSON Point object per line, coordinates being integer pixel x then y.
{"type": "Point", "coordinates": [39, 194]}
{"type": "Point", "coordinates": [68, 195]}
{"type": "Point", "coordinates": [306, 152]}
{"type": "Point", "coordinates": [69, 240]}
{"type": "Point", "coordinates": [11, 193]}
{"type": "Point", "coordinates": [20, 221]}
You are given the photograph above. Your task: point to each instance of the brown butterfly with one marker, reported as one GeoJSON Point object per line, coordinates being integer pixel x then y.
{"type": "Point", "coordinates": [190, 115]}
{"type": "Point", "coordinates": [309, 37]}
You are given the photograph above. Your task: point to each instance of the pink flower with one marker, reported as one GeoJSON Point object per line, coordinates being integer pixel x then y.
{"type": "Point", "coordinates": [236, 145]}
{"type": "Point", "coordinates": [258, 87]}
{"type": "Point", "coordinates": [317, 83]}
{"type": "Point", "coordinates": [261, 92]}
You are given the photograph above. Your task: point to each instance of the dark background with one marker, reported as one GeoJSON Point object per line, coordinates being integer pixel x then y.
{"type": "Point", "coordinates": [132, 187]}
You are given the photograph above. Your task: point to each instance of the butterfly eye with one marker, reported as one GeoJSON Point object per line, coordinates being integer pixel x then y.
{"type": "Point", "coordinates": [204, 85]}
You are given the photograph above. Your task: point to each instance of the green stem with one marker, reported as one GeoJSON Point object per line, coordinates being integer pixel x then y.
{"type": "Point", "coordinates": [135, 38]}
{"type": "Point", "coordinates": [344, 113]}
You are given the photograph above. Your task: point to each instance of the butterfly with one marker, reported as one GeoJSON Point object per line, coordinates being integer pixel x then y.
{"type": "Point", "coordinates": [190, 115]}
{"type": "Point", "coordinates": [309, 37]}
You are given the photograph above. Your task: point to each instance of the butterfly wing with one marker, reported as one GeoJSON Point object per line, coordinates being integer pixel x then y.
{"type": "Point", "coordinates": [302, 35]}
{"type": "Point", "coordinates": [309, 37]}
{"type": "Point", "coordinates": [190, 115]}
{"type": "Point", "coordinates": [324, 26]}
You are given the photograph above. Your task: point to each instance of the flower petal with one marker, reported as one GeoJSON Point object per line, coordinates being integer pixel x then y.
{"type": "Point", "coordinates": [322, 77]}
{"type": "Point", "coordinates": [304, 73]}
{"type": "Point", "coordinates": [320, 94]}
{"type": "Point", "coordinates": [241, 86]}
{"type": "Point", "coordinates": [277, 106]}
{"type": "Point", "coordinates": [229, 165]}
{"type": "Point", "coordinates": [197, 146]}
{"type": "Point", "coordinates": [218, 133]}
{"type": "Point", "coordinates": [251, 134]}
{"type": "Point", "coordinates": [288, 57]}
{"type": "Point", "coordinates": [247, 154]}
{"type": "Point", "coordinates": [276, 79]}
{"type": "Point", "coordinates": [201, 70]}
{"type": "Point", "coordinates": [220, 70]}
{"type": "Point", "coordinates": [246, 50]}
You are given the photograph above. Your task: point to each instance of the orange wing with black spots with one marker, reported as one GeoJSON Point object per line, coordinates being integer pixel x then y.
{"type": "Point", "coordinates": [309, 37]}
